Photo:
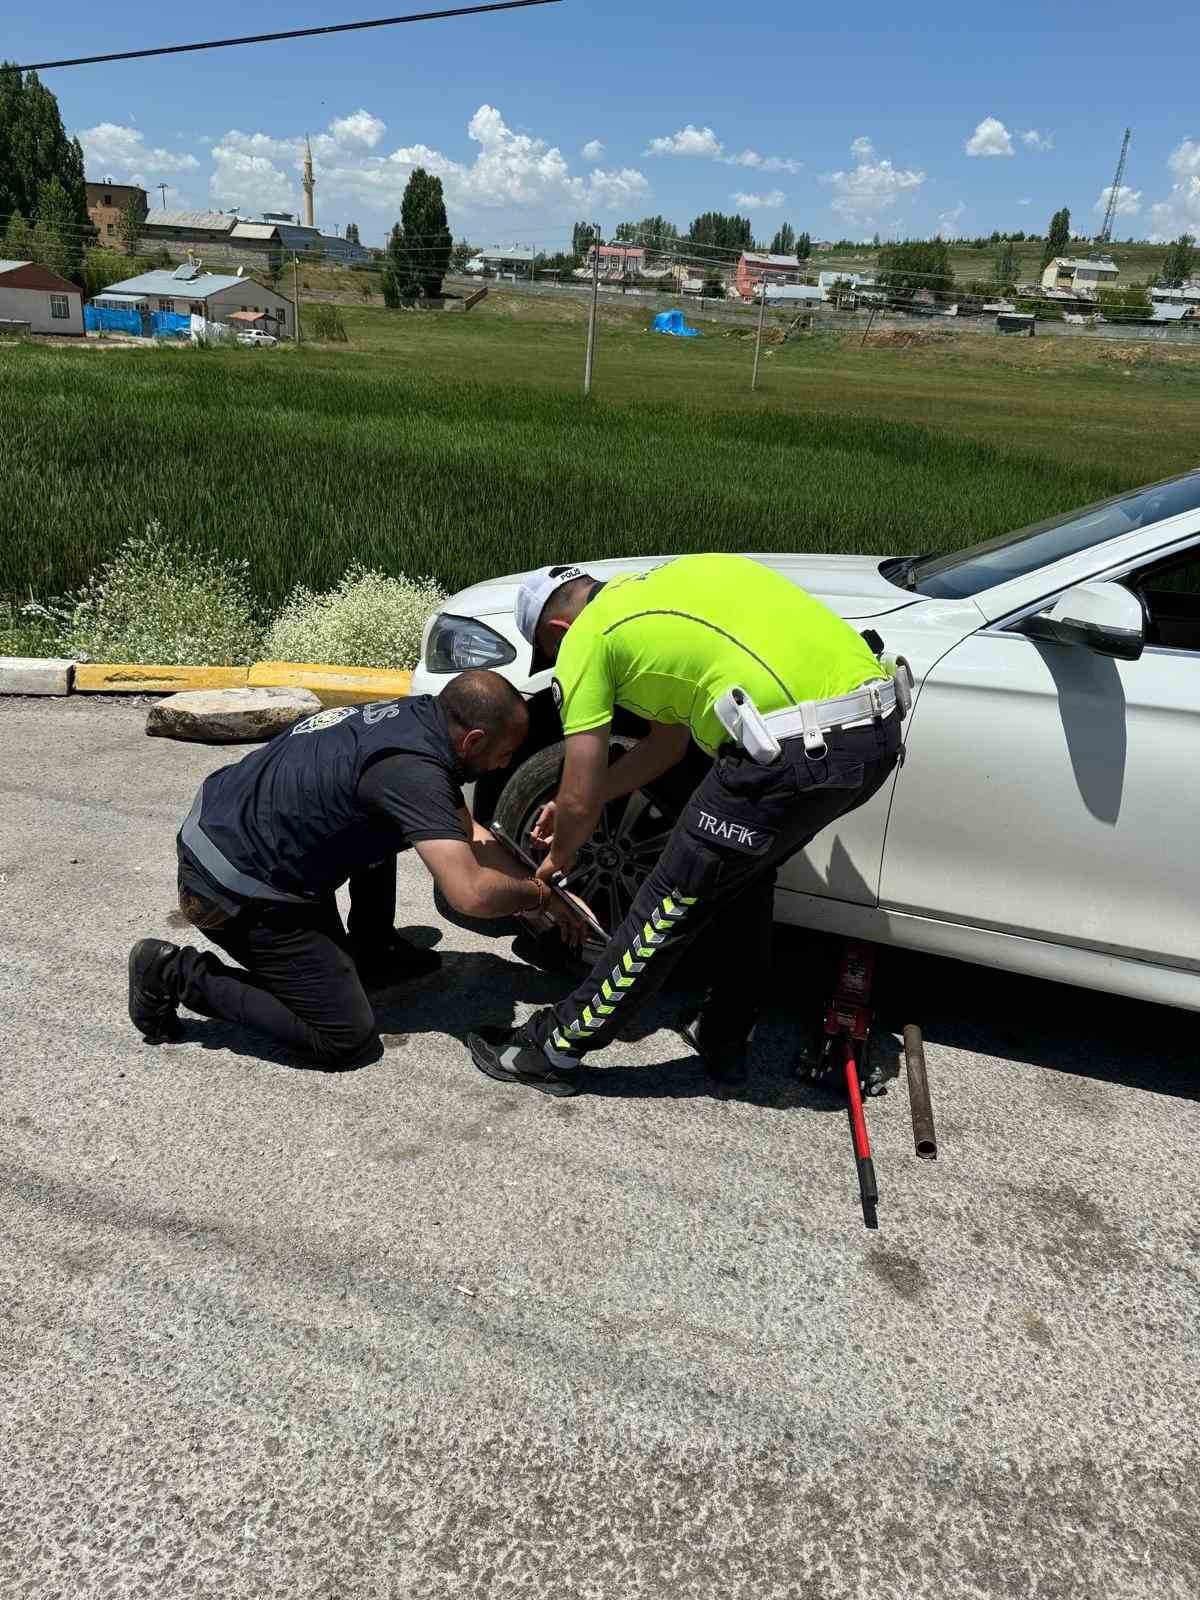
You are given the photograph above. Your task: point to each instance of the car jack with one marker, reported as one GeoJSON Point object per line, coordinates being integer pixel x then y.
{"type": "Point", "coordinates": [845, 1050]}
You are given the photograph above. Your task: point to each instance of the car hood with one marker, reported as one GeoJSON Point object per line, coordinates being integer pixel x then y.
{"type": "Point", "coordinates": [849, 585]}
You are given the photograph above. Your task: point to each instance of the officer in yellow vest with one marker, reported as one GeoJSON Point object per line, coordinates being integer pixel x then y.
{"type": "Point", "coordinates": [803, 720]}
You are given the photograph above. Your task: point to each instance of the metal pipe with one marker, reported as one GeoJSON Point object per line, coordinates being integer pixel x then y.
{"type": "Point", "coordinates": [762, 306]}
{"type": "Point", "coordinates": [924, 1137]}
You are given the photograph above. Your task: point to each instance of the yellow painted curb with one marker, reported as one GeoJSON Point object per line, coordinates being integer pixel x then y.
{"type": "Point", "coordinates": [97, 677]}
{"type": "Point", "coordinates": [333, 686]}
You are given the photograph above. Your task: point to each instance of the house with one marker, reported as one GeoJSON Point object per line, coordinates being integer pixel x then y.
{"type": "Point", "coordinates": [1187, 294]}
{"type": "Point", "coordinates": [106, 203]}
{"type": "Point", "coordinates": [508, 260]}
{"type": "Point", "coordinates": [793, 293]}
{"type": "Point", "coordinates": [298, 237]}
{"type": "Point", "coordinates": [40, 299]}
{"type": "Point", "coordinates": [225, 236]}
{"type": "Point", "coordinates": [215, 296]}
{"type": "Point", "coordinates": [755, 267]}
{"type": "Point", "coordinates": [1082, 277]}
{"type": "Point", "coordinates": [616, 260]}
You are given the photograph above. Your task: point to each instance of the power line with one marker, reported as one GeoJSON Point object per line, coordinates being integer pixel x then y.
{"type": "Point", "coordinates": [291, 33]}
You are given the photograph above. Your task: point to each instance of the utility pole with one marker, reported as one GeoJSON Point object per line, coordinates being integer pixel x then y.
{"type": "Point", "coordinates": [163, 187]}
{"type": "Point", "coordinates": [591, 333]}
{"type": "Point", "coordinates": [296, 284]}
{"type": "Point", "coordinates": [762, 307]}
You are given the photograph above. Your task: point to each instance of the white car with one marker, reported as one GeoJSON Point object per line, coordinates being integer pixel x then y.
{"type": "Point", "coordinates": [1044, 819]}
{"type": "Point", "coordinates": [254, 336]}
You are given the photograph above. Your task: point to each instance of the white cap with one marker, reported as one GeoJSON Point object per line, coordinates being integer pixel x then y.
{"type": "Point", "coordinates": [532, 597]}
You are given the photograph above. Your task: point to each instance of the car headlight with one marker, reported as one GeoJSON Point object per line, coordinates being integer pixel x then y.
{"type": "Point", "coordinates": [456, 643]}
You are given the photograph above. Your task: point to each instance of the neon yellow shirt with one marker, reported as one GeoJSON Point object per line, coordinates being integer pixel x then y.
{"type": "Point", "coordinates": [666, 644]}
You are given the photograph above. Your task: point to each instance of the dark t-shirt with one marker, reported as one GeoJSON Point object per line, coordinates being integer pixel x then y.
{"type": "Point", "coordinates": [419, 798]}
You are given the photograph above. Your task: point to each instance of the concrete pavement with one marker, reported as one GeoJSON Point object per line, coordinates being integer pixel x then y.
{"type": "Point", "coordinates": [269, 1332]}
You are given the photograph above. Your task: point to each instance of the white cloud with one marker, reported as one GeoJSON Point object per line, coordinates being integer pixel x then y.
{"type": "Point", "coordinates": [1037, 141]}
{"type": "Point", "coordinates": [1027, 201]}
{"type": "Point", "coordinates": [870, 187]}
{"type": "Point", "coordinates": [751, 158]}
{"type": "Point", "coordinates": [948, 221]}
{"type": "Point", "coordinates": [1129, 201]}
{"type": "Point", "coordinates": [703, 142]}
{"type": "Point", "coordinates": [862, 147]}
{"type": "Point", "coordinates": [359, 128]}
{"type": "Point", "coordinates": [110, 150]}
{"type": "Point", "coordinates": [760, 202]}
{"type": "Point", "coordinates": [991, 138]}
{"type": "Point", "coordinates": [593, 150]}
{"type": "Point", "coordinates": [689, 141]}
{"type": "Point", "coordinates": [245, 174]}
{"type": "Point", "coordinates": [510, 170]}
{"type": "Point", "coordinates": [1180, 211]}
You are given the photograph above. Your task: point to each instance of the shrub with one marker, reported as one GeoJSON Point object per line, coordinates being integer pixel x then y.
{"type": "Point", "coordinates": [368, 620]}
{"type": "Point", "coordinates": [324, 321]}
{"type": "Point", "coordinates": [158, 601]}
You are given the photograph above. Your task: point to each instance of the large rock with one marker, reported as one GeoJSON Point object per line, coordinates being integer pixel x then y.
{"type": "Point", "coordinates": [35, 675]}
{"type": "Point", "coordinates": [229, 716]}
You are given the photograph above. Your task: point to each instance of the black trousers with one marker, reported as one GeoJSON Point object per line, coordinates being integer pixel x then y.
{"type": "Point", "coordinates": [716, 877]}
{"type": "Point", "coordinates": [297, 981]}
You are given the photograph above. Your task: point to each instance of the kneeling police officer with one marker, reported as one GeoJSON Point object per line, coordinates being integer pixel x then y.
{"type": "Point", "coordinates": [271, 838]}
{"type": "Point", "coordinates": [803, 720]}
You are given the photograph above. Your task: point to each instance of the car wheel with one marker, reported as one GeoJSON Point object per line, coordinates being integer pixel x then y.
{"type": "Point", "coordinates": [628, 840]}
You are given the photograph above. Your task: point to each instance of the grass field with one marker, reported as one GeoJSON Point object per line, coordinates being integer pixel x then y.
{"type": "Point", "coordinates": [460, 446]}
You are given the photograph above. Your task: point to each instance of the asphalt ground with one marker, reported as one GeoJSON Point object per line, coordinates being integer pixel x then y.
{"type": "Point", "coordinates": [403, 1332]}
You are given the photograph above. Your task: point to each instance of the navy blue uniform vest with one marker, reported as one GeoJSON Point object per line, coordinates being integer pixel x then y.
{"type": "Point", "coordinates": [285, 823]}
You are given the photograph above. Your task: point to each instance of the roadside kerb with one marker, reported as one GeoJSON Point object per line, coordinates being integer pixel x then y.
{"type": "Point", "coordinates": [334, 686]}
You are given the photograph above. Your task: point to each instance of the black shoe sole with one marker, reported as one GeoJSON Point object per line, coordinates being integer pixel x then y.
{"type": "Point", "coordinates": [485, 1058]}
{"type": "Point", "coordinates": [155, 1025]}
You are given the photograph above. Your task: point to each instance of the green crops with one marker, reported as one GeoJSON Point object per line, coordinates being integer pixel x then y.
{"type": "Point", "coordinates": [304, 464]}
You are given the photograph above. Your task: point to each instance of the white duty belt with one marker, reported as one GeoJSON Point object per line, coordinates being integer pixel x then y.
{"type": "Point", "coordinates": [760, 736]}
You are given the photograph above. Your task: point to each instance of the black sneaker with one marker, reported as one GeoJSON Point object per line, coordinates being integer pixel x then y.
{"type": "Point", "coordinates": [394, 960]}
{"type": "Point", "coordinates": [726, 1061]}
{"type": "Point", "coordinates": [151, 1005]}
{"type": "Point", "coordinates": [513, 1055]}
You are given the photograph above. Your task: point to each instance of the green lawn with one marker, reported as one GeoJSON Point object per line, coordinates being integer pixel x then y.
{"type": "Point", "coordinates": [460, 446]}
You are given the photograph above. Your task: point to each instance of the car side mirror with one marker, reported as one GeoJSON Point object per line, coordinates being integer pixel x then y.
{"type": "Point", "coordinates": [1104, 617]}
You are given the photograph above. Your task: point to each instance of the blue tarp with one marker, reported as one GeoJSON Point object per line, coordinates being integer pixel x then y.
{"type": "Point", "coordinates": [672, 322]}
{"type": "Point", "coordinates": [171, 324]}
{"type": "Point", "coordinates": [108, 319]}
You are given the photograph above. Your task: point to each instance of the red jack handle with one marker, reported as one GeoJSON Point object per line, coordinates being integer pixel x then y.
{"type": "Point", "coordinates": [867, 1188]}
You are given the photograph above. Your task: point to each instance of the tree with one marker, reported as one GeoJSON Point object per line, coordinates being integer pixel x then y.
{"type": "Point", "coordinates": [1058, 236]}
{"type": "Point", "coordinates": [713, 288]}
{"type": "Point", "coordinates": [462, 252]}
{"type": "Point", "coordinates": [913, 264]}
{"type": "Point", "coordinates": [582, 236]}
{"type": "Point", "coordinates": [56, 244]}
{"type": "Point", "coordinates": [1006, 266]}
{"type": "Point", "coordinates": [129, 225]}
{"type": "Point", "coordinates": [1180, 261]}
{"type": "Point", "coordinates": [803, 246]}
{"type": "Point", "coordinates": [17, 244]}
{"type": "Point", "coordinates": [875, 241]}
{"type": "Point", "coordinates": [421, 242]}
{"type": "Point", "coordinates": [352, 233]}
{"type": "Point", "coordinates": [725, 233]}
{"type": "Point", "coordinates": [35, 151]}
{"type": "Point", "coordinates": [784, 242]}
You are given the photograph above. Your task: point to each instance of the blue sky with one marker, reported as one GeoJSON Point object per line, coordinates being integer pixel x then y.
{"type": "Point", "coordinates": [880, 118]}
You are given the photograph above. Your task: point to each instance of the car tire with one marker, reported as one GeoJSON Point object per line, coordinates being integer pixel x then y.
{"type": "Point", "coordinates": [628, 839]}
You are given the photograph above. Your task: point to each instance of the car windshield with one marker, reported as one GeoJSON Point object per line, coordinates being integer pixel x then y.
{"type": "Point", "coordinates": [1012, 555]}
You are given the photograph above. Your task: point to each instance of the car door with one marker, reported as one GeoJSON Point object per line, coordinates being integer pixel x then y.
{"type": "Point", "coordinates": [1051, 791]}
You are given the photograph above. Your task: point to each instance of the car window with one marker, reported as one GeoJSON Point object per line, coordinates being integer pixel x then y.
{"type": "Point", "coordinates": [1170, 594]}
{"type": "Point", "coordinates": [1012, 555]}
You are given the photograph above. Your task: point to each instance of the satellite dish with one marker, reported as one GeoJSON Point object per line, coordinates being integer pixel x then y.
{"type": "Point", "coordinates": [240, 270]}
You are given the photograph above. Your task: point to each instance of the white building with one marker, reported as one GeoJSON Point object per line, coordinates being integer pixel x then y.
{"type": "Point", "coordinates": [1082, 277]}
{"type": "Point", "coordinates": [508, 260]}
{"type": "Point", "coordinates": [36, 296]}
{"type": "Point", "coordinates": [214, 296]}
